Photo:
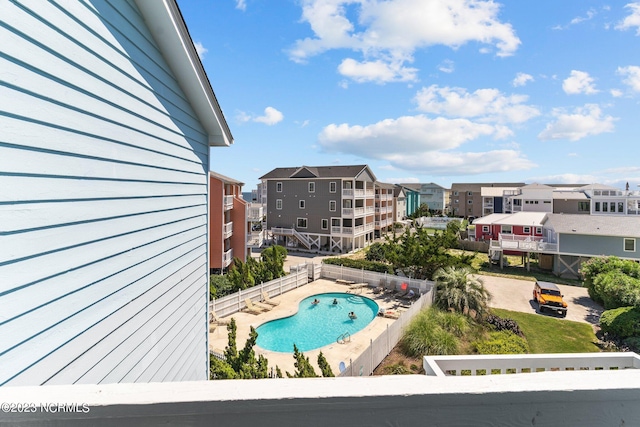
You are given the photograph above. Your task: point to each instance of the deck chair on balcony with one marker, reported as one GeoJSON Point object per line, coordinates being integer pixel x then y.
{"type": "Point", "coordinates": [214, 319]}
{"type": "Point", "coordinates": [268, 300]}
{"type": "Point", "coordinates": [254, 308]}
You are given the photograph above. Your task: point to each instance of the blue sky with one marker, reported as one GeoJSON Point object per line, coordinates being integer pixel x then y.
{"type": "Point", "coordinates": [426, 90]}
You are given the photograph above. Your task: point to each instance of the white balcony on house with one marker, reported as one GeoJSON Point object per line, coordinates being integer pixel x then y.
{"type": "Point", "coordinates": [574, 398]}
{"type": "Point", "coordinates": [227, 257]}
{"type": "Point", "coordinates": [347, 192]}
{"type": "Point", "coordinates": [228, 202]}
{"type": "Point", "coordinates": [227, 230]}
{"type": "Point", "coordinates": [513, 242]}
{"type": "Point", "coordinates": [342, 231]}
{"type": "Point", "coordinates": [370, 209]}
{"type": "Point", "coordinates": [369, 226]}
{"type": "Point", "coordinates": [359, 192]}
{"type": "Point", "coordinates": [255, 213]}
{"type": "Point", "coordinates": [369, 193]}
{"type": "Point", "coordinates": [256, 239]}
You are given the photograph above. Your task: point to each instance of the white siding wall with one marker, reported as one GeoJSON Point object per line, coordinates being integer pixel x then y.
{"type": "Point", "coordinates": [103, 202]}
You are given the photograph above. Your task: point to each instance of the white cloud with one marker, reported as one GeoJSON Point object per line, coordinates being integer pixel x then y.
{"type": "Point", "coordinates": [579, 82]}
{"type": "Point", "coordinates": [271, 117]}
{"type": "Point", "coordinates": [631, 76]}
{"type": "Point", "coordinates": [633, 20]}
{"type": "Point", "coordinates": [200, 49]}
{"type": "Point", "coordinates": [447, 66]}
{"type": "Point", "coordinates": [377, 71]}
{"type": "Point", "coordinates": [567, 178]}
{"type": "Point", "coordinates": [422, 144]}
{"type": "Point", "coordinates": [585, 121]}
{"type": "Point", "coordinates": [241, 4]}
{"type": "Point", "coordinates": [522, 79]}
{"type": "Point", "coordinates": [578, 19]}
{"type": "Point", "coordinates": [485, 104]}
{"type": "Point", "coordinates": [616, 93]}
{"type": "Point", "coordinates": [391, 31]}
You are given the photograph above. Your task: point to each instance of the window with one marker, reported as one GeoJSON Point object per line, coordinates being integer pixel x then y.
{"type": "Point", "coordinates": [629, 245]}
{"type": "Point", "coordinates": [456, 201]}
{"type": "Point", "coordinates": [605, 206]}
{"type": "Point", "coordinates": [325, 224]}
{"type": "Point", "coordinates": [485, 228]}
{"type": "Point", "coordinates": [312, 187]}
{"type": "Point", "coordinates": [612, 206]}
{"type": "Point", "coordinates": [539, 230]}
{"type": "Point", "coordinates": [469, 193]}
{"type": "Point", "coordinates": [279, 187]}
{"type": "Point", "coordinates": [597, 207]}
{"type": "Point", "coordinates": [332, 187]}
{"type": "Point", "coordinates": [332, 205]}
{"type": "Point", "coordinates": [526, 230]}
{"type": "Point", "coordinates": [517, 202]}
{"type": "Point", "coordinates": [302, 222]}
{"type": "Point", "coordinates": [301, 204]}
{"type": "Point", "coordinates": [455, 193]}
{"type": "Point", "coordinates": [620, 207]}
{"type": "Point", "coordinates": [583, 206]}
{"type": "Point", "coordinates": [506, 229]}
{"type": "Point", "coordinates": [470, 202]}
{"type": "Point", "coordinates": [279, 204]}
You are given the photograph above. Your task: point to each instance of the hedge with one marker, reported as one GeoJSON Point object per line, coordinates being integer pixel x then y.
{"type": "Point", "coordinates": [361, 264]}
{"type": "Point", "coordinates": [502, 342]}
{"type": "Point", "coordinates": [616, 289]}
{"type": "Point", "coordinates": [623, 322]}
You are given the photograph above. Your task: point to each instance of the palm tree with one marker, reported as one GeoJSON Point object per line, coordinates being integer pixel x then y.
{"type": "Point", "coordinates": [457, 289]}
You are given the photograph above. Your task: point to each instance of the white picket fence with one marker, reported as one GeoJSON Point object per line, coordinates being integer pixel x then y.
{"type": "Point", "coordinates": [372, 278]}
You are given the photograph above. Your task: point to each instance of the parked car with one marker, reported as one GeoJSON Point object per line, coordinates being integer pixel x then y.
{"type": "Point", "coordinates": [548, 296]}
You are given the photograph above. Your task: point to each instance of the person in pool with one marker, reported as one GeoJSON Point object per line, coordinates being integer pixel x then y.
{"type": "Point", "coordinates": [335, 301]}
{"type": "Point", "coordinates": [352, 315]}
{"type": "Point", "coordinates": [315, 301]}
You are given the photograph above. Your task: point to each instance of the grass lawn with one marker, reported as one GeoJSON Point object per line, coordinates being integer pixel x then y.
{"type": "Point", "coordinates": [548, 335]}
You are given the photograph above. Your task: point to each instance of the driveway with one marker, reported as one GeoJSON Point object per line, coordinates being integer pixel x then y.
{"type": "Point", "coordinates": [516, 295]}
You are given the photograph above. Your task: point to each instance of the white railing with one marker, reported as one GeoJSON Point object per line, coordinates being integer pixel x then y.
{"type": "Point", "coordinates": [227, 230]}
{"type": "Point", "coordinates": [527, 363]}
{"type": "Point", "coordinates": [369, 192]}
{"type": "Point", "coordinates": [341, 230]}
{"type": "Point", "coordinates": [524, 243]}
{"type": "Point", "coordinates": [256, 238]}
{"type": "Point", "coordinates": [358, 211]}
{"type": "Point", "coordinates": [359, 193]}
{"type": "Point", "coordinates": [370, 209]}
{"type": "Point", "coordinates": [369, 226]}
{"type": "Point", "coordinates": [228, 202]}
{"type": "Point", "coordinates": [358, 229]}
{"type": "Point", "coordinates": [347, 212]}
{"type": "Point", "coordinates": [347, 192]}
{"type": "Point", "coordinates": [255, 213]}
{"type": "Point", "coordinates": [227, 258]}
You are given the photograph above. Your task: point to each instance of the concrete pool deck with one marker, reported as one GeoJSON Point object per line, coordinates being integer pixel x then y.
{"type": "Point", "coordinates": [334, 353]}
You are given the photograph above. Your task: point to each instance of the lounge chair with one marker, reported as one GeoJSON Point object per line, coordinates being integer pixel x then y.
{"type": "Point", "coordinates": [254, 308]}
{"type": "Point", "coordinates": [391, 314]}
{"type": "Point", "coordinates": [213, 318]}
{"type": "Point", "coordinates": [268, 300]}
{"type": "Point", "coordinates": [390, 288]}
{"type": "Point", "coordinates": [381, 287]}
{"type": "Point", "coordinates": [356, 286]}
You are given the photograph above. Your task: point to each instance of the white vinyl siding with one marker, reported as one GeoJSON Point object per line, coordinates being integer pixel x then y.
{"type": "Point", "coordinates": [104, 208]}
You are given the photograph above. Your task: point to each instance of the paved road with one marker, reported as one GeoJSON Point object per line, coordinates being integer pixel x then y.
{"type": "Point", "coordinates": [516, 295]}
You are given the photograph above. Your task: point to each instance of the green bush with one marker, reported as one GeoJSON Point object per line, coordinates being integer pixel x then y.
{"type": "Point", "coordinates": [360, 264]}
{"type": "Point", "coordinates": [623, 322]}
{"type": "Point", "coordinates": [616, 289]}
{"type": "Point", "coordinates": [502, 342]}
{"type": "Point", "coordinates": [602, 265]}
{"type": "Point", "coordinates": [433, 332]}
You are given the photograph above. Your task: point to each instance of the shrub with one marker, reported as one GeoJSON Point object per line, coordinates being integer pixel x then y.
{"type": "Point", "coordinates": [501, 324]}
{"type": "Point", "coordinates": [616, 289]}
{"type": "Point", "coordinates": [376, 252]}
{"type": "Point", "coordinates": [361, 264]}
{"type": "Point", "coordinates": [624, 322]}
{"type": "Point", "coordinates": [601, 265]}
{"type": "Point", "coordinates": [502, 342]}
{"type": "Point", "coordinates": [433, 332]}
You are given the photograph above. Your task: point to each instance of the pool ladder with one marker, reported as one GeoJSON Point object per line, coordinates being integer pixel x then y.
{"type": "Point", "coordinates": [344, 338]}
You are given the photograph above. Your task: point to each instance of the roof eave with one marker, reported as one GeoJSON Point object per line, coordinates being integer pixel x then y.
{"type": "Point", "coordinates": [169, 31]}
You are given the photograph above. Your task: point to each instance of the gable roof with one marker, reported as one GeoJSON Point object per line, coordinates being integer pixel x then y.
{"type": "Point", "coordinates": [349, 171]}
{"type": "Point", "coordinates": [169, 31]}
{"type": "Point", "coordinates": [596, 225]}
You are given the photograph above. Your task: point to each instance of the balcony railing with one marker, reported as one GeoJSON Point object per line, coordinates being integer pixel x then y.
{"type": "Point", "coordinates": [227, 258]}
{"type": "Point", "coordinates": [255, 213]}
{"type": "Point", "coordinates": [227, 230]}
{"type": "Point", "coordinates": [523, 243]}
{"type": "Point", "coordinates": [228, 202]}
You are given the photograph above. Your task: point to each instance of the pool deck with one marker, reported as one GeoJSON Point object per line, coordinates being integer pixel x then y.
{"type": "Point", "coordinates": [334, 353]}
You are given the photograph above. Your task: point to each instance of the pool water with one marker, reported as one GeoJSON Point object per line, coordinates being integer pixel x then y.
{"type": "Point", "coordinates": [315, 326]}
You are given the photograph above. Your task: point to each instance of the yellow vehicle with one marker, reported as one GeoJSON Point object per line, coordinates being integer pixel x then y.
{"type": "Point", "coordinates": [548, 296]}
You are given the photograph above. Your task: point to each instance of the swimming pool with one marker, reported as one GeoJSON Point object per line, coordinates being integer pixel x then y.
{"type": "Point", "coordinates": [315, 326]}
